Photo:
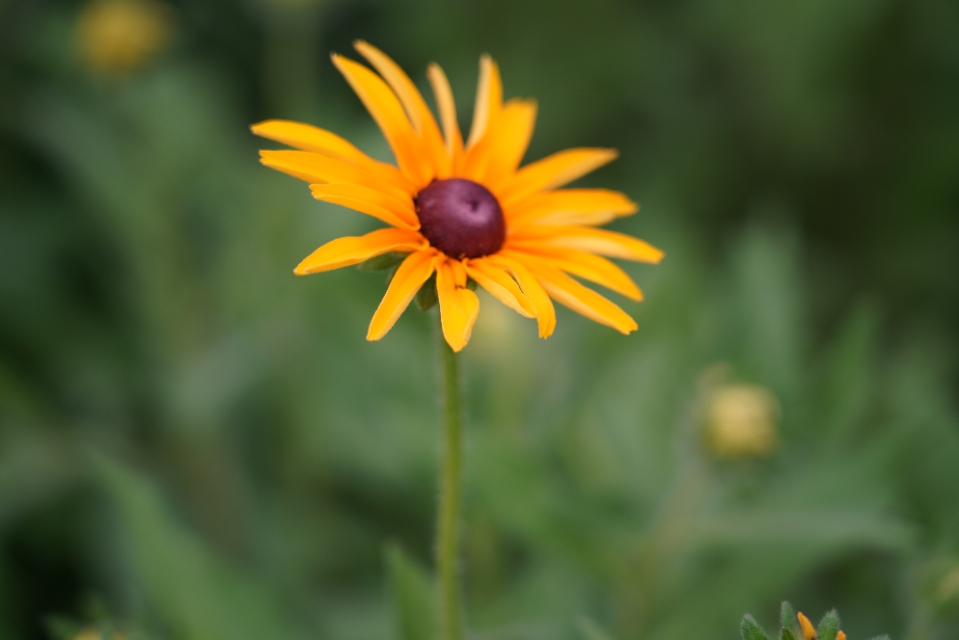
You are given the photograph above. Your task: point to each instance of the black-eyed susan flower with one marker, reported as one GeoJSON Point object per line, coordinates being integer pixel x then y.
{"type": "Point", "coordinates": [464, 210]}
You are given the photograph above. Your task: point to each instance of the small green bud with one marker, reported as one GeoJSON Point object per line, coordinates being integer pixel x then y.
{"type": "Point", "coordinates": [751, 630]}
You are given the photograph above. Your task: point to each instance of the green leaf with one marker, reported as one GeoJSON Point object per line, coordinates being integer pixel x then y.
{"type": "Point", "coordinates": [882, 637]}
{"type": "Point", "coordinates": [426, 297]}
{"type": "Point", "coordinates": [411, 592]}
{"type": "Point", "coordinates": [751, 630]}
{"type": "Point", "coordinates": [382, 262]}
{"type": "Point", "coordinates": [589, 630]}
{"type": "Point", "coordinates": [828, 626]}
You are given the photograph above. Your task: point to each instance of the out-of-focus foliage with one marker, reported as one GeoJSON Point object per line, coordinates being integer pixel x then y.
{"type": "Point", "coordinates": [195, 444]}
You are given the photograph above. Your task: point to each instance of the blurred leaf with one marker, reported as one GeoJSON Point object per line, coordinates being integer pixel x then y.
{"type": "Point", "coordinates": [590, 630]}
{"type": "Point", "coordinates": [191, 589]}
{"type": "Point", "coordinates": [411, 591]}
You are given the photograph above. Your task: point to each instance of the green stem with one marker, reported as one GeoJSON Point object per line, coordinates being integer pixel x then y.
{"type": "Point", "coordinates": [451, 489]}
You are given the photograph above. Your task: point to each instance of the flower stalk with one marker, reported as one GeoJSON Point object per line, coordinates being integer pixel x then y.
{"type": "Point", "coordinates": [450, 497]}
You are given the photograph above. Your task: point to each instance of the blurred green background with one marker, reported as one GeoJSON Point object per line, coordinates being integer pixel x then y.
{"type": "Point", "coordinates": [196, 445]}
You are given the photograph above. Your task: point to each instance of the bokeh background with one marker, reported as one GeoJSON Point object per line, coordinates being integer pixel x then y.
{"type": "Point", "coordinates": [196, 445]}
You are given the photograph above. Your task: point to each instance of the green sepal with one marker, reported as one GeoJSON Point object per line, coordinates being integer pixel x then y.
{"type": "Point", "coordinates": [383, 261]}
{"type": "Point", "coordinates": [786, 634]}
{"type": "Point", "coordinates": [751, 630]}
{"type": "Point", "coordinates": [828, 626]}
{"type": "Point", "coordinates": [471, 284]}
{"type": "Point", "coordinates": [426, 297]}
{"type": "Point", "coordinates": [411, 593]}
{"type": "Point", "coordinates": [787, 616]}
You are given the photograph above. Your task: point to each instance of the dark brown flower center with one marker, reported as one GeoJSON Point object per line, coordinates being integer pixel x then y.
{"type": "Point", "coordinates": [460, 218]}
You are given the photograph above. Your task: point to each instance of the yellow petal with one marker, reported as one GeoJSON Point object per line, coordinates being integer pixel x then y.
{"type": "Point", "coordinates": [601, 241]}
{"type": "Point", "coordinates": [489, 99]}
{"type": "Point", "coordinates": [458, 306]}
{"type": "Point", "coordinates": [500, 285]}
{"type": "Point", "coordinates": [386, 110]}
{"type": "Point", "coordinates": [310, 138]}
{"type": "Point", "coordinates": [585, 265]}
{"type": "Point", "coordinates": [413, 102]}
{"type": "Point", "coordinates": [807, 629]}
{"type": "Point", "coordinates": [316, 168]}
{"type": "Point", "coordinates": [447, 108]}
{"type": "Point", "coordinates": [553, 171]}
{"type": "Point", "coordinates": [409, 277]}
{"type": "Point", "coordinates": [567, 291]}
{"type": "Point", "coordinates": [343, 252]}
{"type": "Point", "coordinates": [386, 207]}
{"type": "Point", "coordinates": [571, 206]}
{"type": "Point", "coordinates": [495, 158]}
{"type": "Point", "coordinates": [534, 292]}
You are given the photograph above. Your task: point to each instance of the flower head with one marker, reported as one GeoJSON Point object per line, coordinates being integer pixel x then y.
{"type": "Point", "coordinates": [742, 421]}
{"type": "Point", "coordinates": [464, 211]}
{"type": "Point", "coordinates": [118, 36]}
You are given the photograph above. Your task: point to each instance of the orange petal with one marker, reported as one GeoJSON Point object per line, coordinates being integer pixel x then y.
{"type": "Point", "coordinates": [489, 99]}
{"type": "Point", "coordinates": [500, 285]}
{"type": "Point", "coordinates": [316, 168]}
{"type": "Point", "coordinates": [409, 277]}
{"type": "Point", "coordinates": [553, 171]}
{"type": "Point", "coordinates": [343, 252]}
{"type": "Point", "coordinates": [585, 265]}
{"type": "Point", "coordinates": [496, 157]}
{"type": "Point", "coordinates": [386, 207]}
{"type": "Point", "coordinates": [581, 299]}
{"type": "Point", "coordinates": [386, 110]}
{"type": "Point", "coordinates": [601, 241]}
{"type": "Point", "coordinates": [571, 206]}
{"type": "Point", "coordinates": [310, 138]}
{"type": "Point", "coordinates": [447, 108]}
{"type": "Point", "coordinates": [841, 635]}
{"type": "Point", "coordinates": [807, 629]}
{"type": "Point", "coordinates": [534, 292]}
{"type": "Point", "coordinates": [413, 102]}
{"type": "Point", "coordinates": [458, 306]}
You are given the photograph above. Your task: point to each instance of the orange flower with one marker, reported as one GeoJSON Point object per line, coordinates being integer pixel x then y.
{"type": "Point", "coordinates": [464, 211]}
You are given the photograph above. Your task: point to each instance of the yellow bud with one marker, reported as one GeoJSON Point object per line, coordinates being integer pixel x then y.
{"type": "Point", "coordinates": [741, 421]}
{"type": "Point", "coordinates": [841, 635]}
{"type": "Point", "coordinates": [115, 37]}
{"type": "Point", "coordinates": [807, 629]}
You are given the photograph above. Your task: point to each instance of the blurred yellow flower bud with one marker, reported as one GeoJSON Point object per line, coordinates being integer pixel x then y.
{"type": "Point", "coordinates": [115, 37]}
{"type": "Point", "coordinates": [742, 421]}
{"type": "Point", "coordinates": [89, 634]}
